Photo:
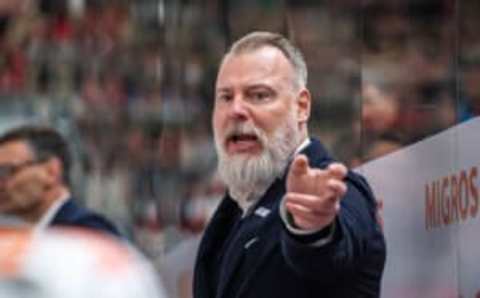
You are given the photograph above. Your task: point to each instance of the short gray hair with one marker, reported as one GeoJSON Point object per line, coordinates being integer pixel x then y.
{"type": "Point", "coordinates": [259, 39]}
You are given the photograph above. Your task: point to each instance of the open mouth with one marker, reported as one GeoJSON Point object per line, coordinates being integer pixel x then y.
{"type": "Point", "coordinates": [243, 143]}
{"type": "Point", "coordinates": [242, 138]}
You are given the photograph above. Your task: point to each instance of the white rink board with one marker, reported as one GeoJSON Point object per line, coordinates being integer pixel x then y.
{"type": "Point", "coordinates": [431, 215]}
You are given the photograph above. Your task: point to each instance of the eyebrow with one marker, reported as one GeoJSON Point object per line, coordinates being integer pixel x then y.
{"type": "Point", "coordinates": [260, 86]}
{"type": "Point", "coordinates": [251, 86]}
{"type": "Point", "coordinates": [227, 89]}
{"type": "Point", "coordinates": [223, 89]}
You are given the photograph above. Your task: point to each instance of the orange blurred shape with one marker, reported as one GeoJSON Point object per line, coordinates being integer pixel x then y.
{"type": "Point", "coordinates": [14, 243]}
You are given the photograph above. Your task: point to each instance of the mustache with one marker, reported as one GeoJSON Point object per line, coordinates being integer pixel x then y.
{"type": "Point", "coordinates": [238, 129]}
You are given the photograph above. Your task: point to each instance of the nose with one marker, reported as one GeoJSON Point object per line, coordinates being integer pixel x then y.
{"type": "Point", "coordinates": [239, 109]}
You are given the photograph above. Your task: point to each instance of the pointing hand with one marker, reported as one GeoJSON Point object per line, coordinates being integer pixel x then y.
{"type": "Point", "coordinates": [313, 195]}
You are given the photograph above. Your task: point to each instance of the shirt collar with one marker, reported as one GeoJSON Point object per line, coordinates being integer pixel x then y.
{"type": "Point", "coordinates": [52, 210]}
{"type": "Point", "coordinates": [303, 145]}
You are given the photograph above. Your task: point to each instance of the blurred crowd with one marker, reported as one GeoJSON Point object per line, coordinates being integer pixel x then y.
{"type": "Point", "coordinates": [131, 84]}
{"type": "Point", "coordinates": [105, 69]}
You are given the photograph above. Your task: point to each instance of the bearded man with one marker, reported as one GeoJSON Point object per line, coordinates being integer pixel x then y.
{"type": "Point", "coordinates": [294, 223]}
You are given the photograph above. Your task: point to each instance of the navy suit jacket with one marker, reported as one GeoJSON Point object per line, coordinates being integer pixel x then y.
{"type": "Point", "coordinates": [72, 214]}
{"type": "Point", "coordinates": [256, 256]}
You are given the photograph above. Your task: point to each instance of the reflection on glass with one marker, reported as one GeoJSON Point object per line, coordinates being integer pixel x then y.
{"type": "Point", "coordinates": [411, 48]}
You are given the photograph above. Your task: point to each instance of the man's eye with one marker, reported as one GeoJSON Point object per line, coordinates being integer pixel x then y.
{"type": "Point", "coordinates": [224, 97]}
{"type": "Point", "coordinates": [260, 96]}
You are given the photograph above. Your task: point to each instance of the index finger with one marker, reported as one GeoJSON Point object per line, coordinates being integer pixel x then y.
{"type": "Point", "coordinates": [299, 165]}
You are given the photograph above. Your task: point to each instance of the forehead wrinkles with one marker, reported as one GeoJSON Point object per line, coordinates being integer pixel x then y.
{"type": "Point", "coordinates": [266, 65]}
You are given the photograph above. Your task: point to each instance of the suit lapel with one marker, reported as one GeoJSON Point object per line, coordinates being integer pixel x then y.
{"type": "Point", "coordinates": [261, 250]}
{"type": "Point", "coordinates": [258, 245]}
{"type": "Point", "coordinates": [211, 245]}
{"type": "Point", "coordinates": [65, 213]}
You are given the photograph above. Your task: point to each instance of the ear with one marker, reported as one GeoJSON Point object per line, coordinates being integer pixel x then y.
{"type": "Point", "coordinates": [304, 105]}
{"type": "Point", "coordinates": [54, 169]}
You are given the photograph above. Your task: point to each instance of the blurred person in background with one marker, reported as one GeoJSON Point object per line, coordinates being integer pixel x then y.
{"type": "Point", "coordinates": [69, 262]}
{"type": "Point", "coordinates": [294, 223]}
{"type": "Point", "coordinates": [196, 210]}
{"type": "Point", "coordinates": [469, 106]}
{"type": "Point", "coordinates": [380, 104]}
{"type": "Point", "coordinates": [428, 108]}
{"type": "Point", "coordinates": [379, 147]}
{"type": "Point", "coordinates": [35, 181]}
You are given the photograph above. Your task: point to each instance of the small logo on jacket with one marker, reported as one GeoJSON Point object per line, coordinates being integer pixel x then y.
{"type": "Point", "coordinates": [262, 211]}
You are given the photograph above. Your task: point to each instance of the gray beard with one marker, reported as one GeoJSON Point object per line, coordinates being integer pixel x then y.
{"type": "Point", "coordinates": [248, 177]}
